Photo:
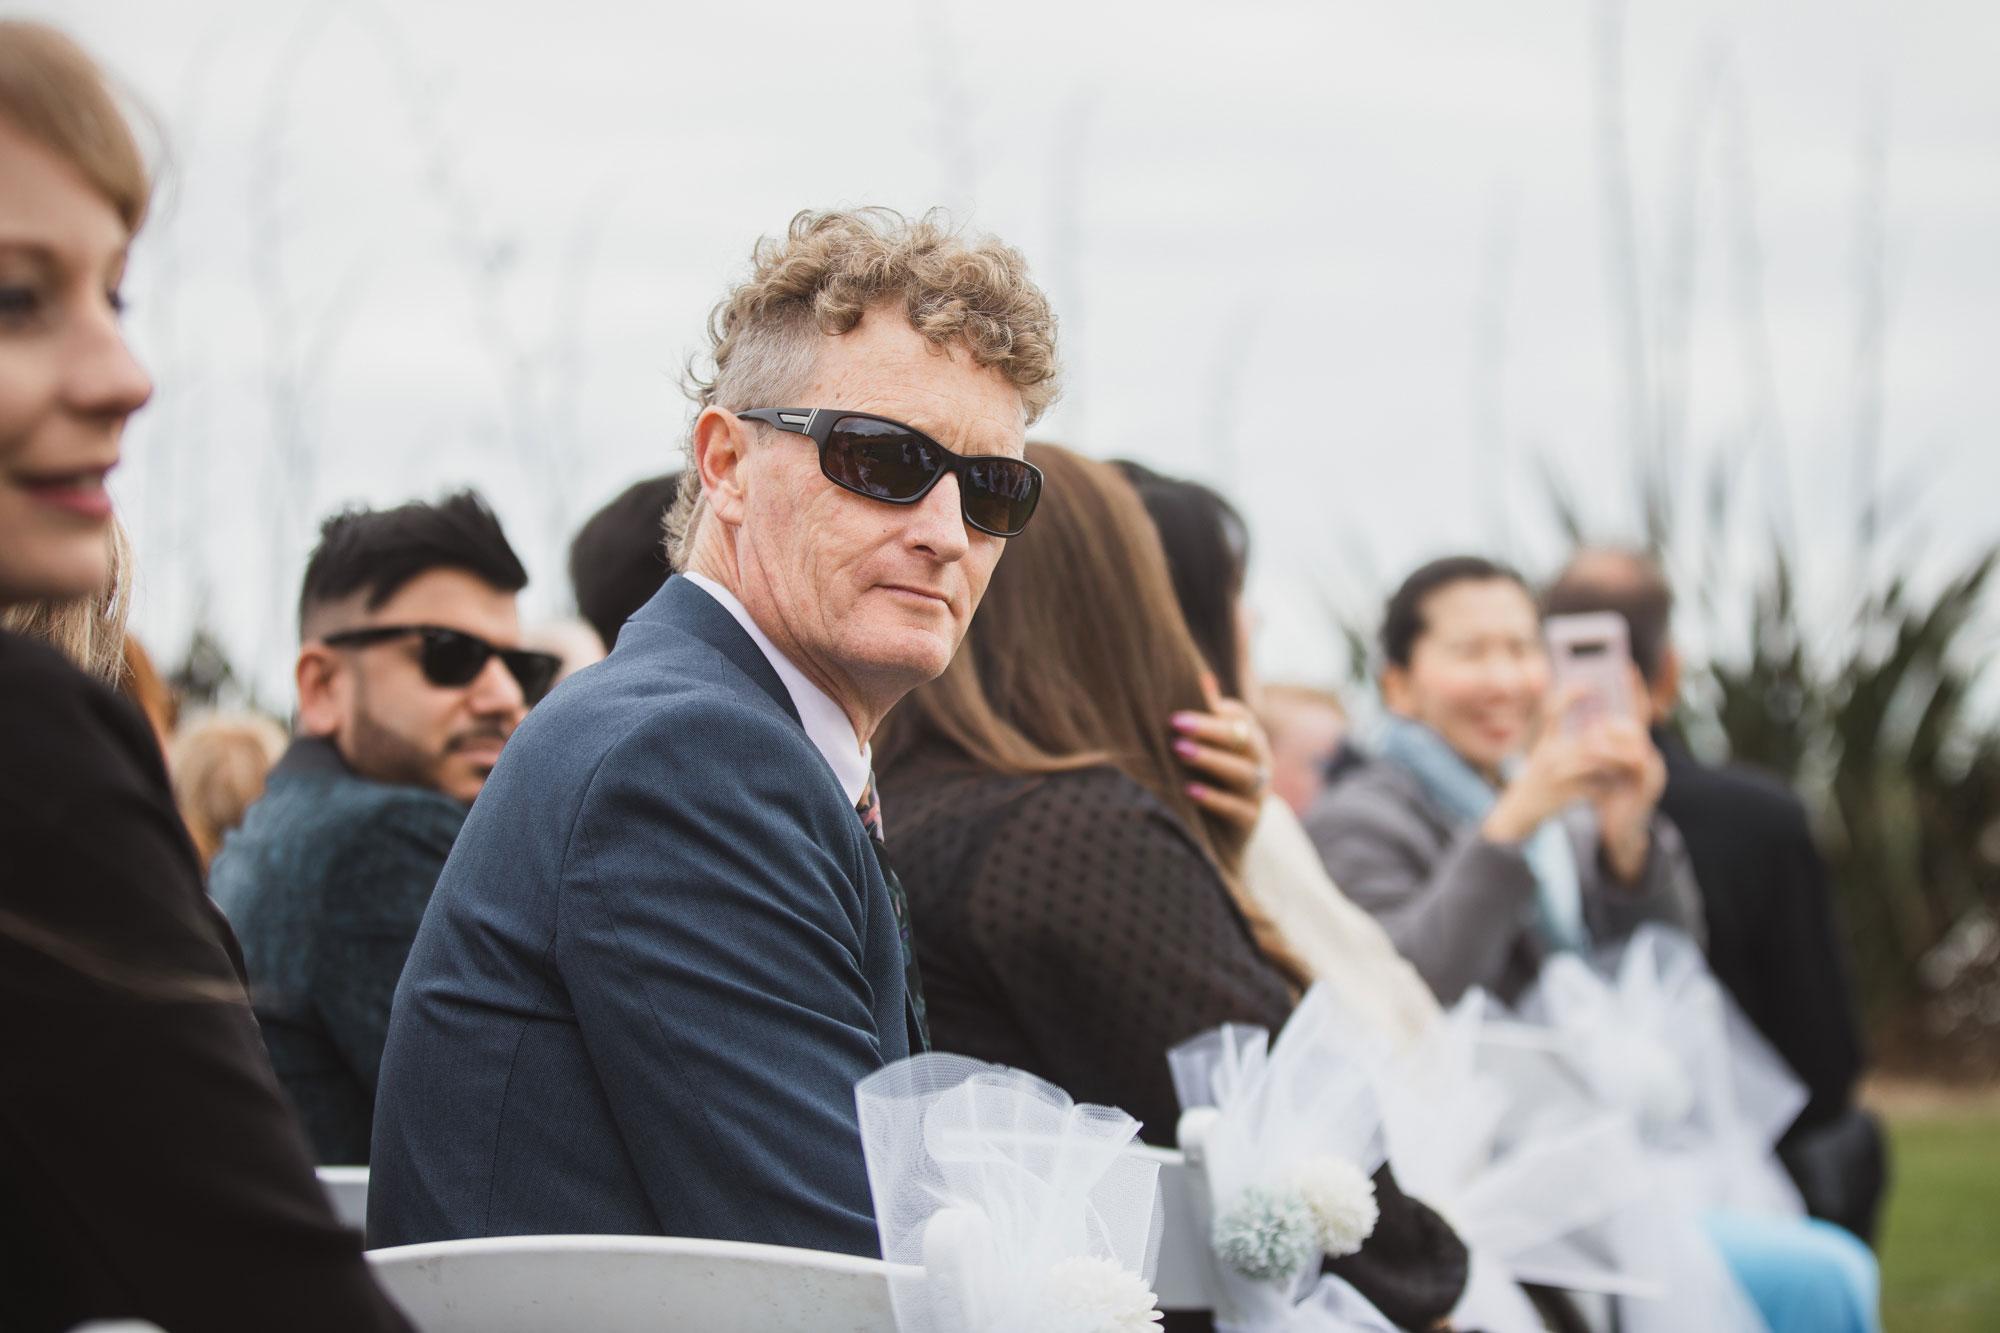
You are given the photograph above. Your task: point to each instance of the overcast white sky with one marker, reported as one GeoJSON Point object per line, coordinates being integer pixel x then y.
{"type": "Point", "coordinates": [1346, 261]}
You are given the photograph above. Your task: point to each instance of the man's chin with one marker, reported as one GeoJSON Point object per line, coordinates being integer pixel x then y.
{"type": "Point", "coordinates": [913, 655]}
{"type": "Point", "coordinates": [462, 781]}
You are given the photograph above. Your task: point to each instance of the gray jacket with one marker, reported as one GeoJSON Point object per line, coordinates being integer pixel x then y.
{"type": "Point", "coordinates": [1461, 908]}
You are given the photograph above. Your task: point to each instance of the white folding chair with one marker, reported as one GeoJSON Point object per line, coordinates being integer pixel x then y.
{"type": "Point", "coordinates": [347, 1190]}
{"type": "Point", "coordinates": [632, 1284]}
{"type": "Point", "coordinates": [1185, 1278]}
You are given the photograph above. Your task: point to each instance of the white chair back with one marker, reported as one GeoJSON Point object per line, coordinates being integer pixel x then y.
{"type": "Point", "coordinates": [347, 1190]}
{"type": "Point", "coordinates": [1185, 1278]}
{"type": "Point", "coordinates": [632, 1284]}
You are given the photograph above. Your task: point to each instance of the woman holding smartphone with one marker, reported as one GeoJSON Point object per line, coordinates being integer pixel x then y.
{"type": "Point", "coordinates": [1502, 822]}
{"type": "Point", "coordinates": [149, 1167]}
{"type": "Point", "coordinates": [1488, 833]}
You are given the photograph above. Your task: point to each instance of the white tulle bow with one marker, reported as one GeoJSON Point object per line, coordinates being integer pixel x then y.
{"type": "Point", "coordinates": [1004, 1205]}
{"type": "Point", "coordinates": [1287, 1136]}
{"type": "Point", "coordinates": [1651, 1031]}
{"type": "Point", "coordinates": [1518, 1203]}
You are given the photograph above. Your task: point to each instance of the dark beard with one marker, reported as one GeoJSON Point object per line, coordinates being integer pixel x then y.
{"type": "Point", "coordinates": [380, 755]}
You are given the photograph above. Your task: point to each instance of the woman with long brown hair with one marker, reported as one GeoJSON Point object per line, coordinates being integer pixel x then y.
{"type": "Point", "coordinates": [1073, 905]}
{"type": "Point", "coordinates": [148, 1165]}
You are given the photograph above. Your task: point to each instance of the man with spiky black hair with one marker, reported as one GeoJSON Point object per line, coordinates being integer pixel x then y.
{"type": "Point", "coordinates": [410, 680]}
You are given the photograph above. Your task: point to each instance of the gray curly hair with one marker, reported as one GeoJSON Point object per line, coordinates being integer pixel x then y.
{"type": "Point", "coordinates": [972, 293]}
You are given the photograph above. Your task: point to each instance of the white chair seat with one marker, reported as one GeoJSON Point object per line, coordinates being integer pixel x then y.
{"type": "Point", "coordinates": [632, 1284]}
{"type": "Point", "coordinates": [347, 1190]}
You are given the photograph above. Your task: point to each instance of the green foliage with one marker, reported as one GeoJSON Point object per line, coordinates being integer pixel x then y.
{"type": "Point", "coordinates": [1942, 1227]}
{"type": "Point", "coordinates": [1873, 721]}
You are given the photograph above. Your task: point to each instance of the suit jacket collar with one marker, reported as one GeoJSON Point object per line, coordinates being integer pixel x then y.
{"type": "Point", "coordinates": [687, 608]}
{"type": "Point", "coordinates": [308, 755]}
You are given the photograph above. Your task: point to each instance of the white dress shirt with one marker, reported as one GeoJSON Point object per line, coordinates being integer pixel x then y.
{"type": "Point", "coordinates": [826, 725]}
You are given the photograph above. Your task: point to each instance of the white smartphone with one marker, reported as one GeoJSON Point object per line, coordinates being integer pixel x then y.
{"type": "Point", "coordinates": [1593, 651]}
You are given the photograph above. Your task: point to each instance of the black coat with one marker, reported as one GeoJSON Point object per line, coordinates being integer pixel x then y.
{"type": "Point", "coordinates": [148, 1165]}
{"type": "Point", "coordinates": [1772, 938]}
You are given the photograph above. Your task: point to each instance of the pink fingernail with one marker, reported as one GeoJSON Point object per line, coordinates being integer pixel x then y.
{"type": "Point", "coordinates": [1187, 721]}
{"type": "Point", "coordinates": [1196, 790]}
{"type": "Point", "coordinates": [1186, 749]}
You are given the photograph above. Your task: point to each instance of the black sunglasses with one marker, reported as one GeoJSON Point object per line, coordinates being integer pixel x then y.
{"type": "Point", "coordinates": [897, 464]}
{"type": "Point", "coordinates": [451, 657]}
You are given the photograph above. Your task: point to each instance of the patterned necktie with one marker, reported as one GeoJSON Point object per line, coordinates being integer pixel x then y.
{"type": "Point", "coordinates": [869, 807]}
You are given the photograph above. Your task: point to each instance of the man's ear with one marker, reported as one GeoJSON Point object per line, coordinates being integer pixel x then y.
{"type": "Point", "coordinates": [321, 690]}
{"type": "Point", "coordinates": [721, 447]}
{"type": "Point", "coordinates": [1666, 689]}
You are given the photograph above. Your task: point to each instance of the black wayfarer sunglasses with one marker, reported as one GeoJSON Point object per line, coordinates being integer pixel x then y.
{"type": "Point", "coordinates": [897, 464]}
{"type": "Point", "coordinates": [451, 657]}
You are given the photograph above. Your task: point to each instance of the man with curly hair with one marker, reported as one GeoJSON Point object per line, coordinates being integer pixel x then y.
{"type": "Point", "coordinates": [668, 942]}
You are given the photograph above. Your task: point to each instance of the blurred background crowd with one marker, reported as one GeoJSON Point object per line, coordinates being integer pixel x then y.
{"type": "Point", "coordinates": [1710, 282]}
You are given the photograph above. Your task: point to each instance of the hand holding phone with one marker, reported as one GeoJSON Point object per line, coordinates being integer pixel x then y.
{"type": "Point", "coordinates": [1591, 654]}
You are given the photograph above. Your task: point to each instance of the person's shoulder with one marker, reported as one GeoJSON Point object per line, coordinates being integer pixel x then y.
{"type": "Point", "coordinates": [399, 810]}
{"type": "Point", "coordinates": [58, 725]}
{"type": "Point", "coordinates": [1107, 807]}
{"type": "Point", "coordinates": [1374, 791]}
{"type": "Point", "coordinates": [333, 809]}
{"type": "Point", "coordinates": [688, 697]}
{"type": "Point", "coordinates": [1735, 792]}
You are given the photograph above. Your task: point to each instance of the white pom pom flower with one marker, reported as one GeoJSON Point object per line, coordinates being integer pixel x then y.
{"type": "Point", "coordinates": [1268, 1234]}
{"type": "Point", "coordinates": [1342, 1201]}
{"type": "Point", "coordinates": [1636, 1071]}
{"type": "Point", "coordinates": [1085, 1294]}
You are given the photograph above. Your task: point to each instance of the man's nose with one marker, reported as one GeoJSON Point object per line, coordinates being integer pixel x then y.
{"type": "Point", "coordinates": [938, 523]}
{"type": "Point", "coordinates": [495, 691]}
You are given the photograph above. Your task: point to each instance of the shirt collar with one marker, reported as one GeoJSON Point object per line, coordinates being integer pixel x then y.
{"type": "Point", "coordinates": [826, 725]}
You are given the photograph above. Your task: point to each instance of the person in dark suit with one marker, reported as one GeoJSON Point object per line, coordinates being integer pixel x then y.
{"type": "Point", "coordinates": [1773, 936]}
{"type": "Point", "coordinates": [665, 946]}
{"type": "Point", "coordinates": [149, 1168]}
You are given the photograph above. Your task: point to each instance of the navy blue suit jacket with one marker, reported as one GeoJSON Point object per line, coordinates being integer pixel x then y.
{"type": "Point", "coordinates": [658, 960]}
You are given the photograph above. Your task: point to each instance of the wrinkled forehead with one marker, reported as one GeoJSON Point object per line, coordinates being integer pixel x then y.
{"type": "Point", "coordinates": [941, 391]}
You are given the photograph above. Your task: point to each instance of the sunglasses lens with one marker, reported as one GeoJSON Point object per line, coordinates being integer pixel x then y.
{"type": "Point", "coordinates": [535, 672]}
{"type": "Point", "coordinates": [1000, 494]}
{"type": "Point", "coordinates": [453, 659]}
{"type": "Point", "coordinates": [879, 459]}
